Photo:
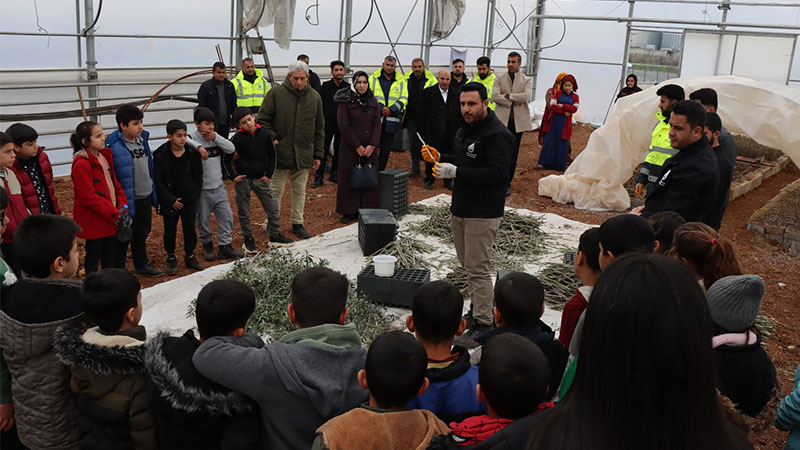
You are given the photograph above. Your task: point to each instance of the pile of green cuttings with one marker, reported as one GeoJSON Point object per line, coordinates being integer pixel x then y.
{"type": "Point", "coordinates": [270, 274]}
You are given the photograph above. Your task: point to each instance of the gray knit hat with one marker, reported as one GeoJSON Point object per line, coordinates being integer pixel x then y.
{"type": "Point", "coordinates": [734, 301]}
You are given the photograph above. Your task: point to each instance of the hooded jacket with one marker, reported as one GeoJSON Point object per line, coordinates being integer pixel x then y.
{"type": "Point", "coordinates": [16, 210]}
{"type": "Point", "coordinates": [177, 177]}
{"type": "Point", "coordinates": [108, 384]}
{"type": "Point", "coordinates": [191, 412]}
{"type": "Point", "coordinates": [32, 310]}
{"type": "Point", "coordinates": [295, 118]}
{"type": "Point", "coordinates": [256, 153]}
{"type": "Point", "coordinates": [745, 374]}
{"type": "Point", "coordinates": [541, 335]}
{"type": "Point", "coordinates": [299, 383]}
{"type": "Point", "coordinates": [451, 394]}
{"type": "Point", "coordinates": [512, 437]}
{"type": "Point", "coordinates": [123, 166]}
{"type": "Point", "coordinates": [26, 185]}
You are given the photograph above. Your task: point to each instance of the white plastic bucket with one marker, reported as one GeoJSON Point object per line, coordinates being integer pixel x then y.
{"type": "Point", "coordinates": [384, 265]}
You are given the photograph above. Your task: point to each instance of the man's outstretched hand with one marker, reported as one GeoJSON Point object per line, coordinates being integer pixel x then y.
{"type": "Point", "coordinates": [430, 154]}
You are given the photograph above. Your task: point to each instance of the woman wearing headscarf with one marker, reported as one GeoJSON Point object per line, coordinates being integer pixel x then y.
{"type": "Point", "coordinates": [547, 97]}
{"type": "Point", "coordinates": [360, 124]}
{"type": "Point", "coordinates": [631, 86]}
{"type": "Point", "coordinates": [558, 126]}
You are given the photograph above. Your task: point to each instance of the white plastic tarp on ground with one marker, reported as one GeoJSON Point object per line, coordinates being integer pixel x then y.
{"type": "Point", "coordinates": [276, 12]}
{"type": "Point", "coordinates": [769, 113]}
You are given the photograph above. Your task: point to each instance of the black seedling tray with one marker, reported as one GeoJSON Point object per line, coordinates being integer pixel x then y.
{"type": "Point", "coordinates": [397, 290]}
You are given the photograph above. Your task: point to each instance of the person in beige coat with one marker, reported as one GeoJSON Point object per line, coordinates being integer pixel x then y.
{"type": "Point", "coordinates": [512, 92]}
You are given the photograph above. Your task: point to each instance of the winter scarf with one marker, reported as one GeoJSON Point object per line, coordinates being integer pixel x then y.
{"type": "Point", "coordinates": [346, 95]}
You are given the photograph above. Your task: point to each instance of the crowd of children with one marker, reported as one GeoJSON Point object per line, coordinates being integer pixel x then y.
{"type": "Point", "coordinates": [657, 360]}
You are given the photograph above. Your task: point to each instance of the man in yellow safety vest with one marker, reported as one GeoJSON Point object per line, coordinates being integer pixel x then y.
{"type": "Point", "coordinates": [391, 92]}
{"type": "Point", "coordinates": [485, 77]}
{"type": "Point", "coordinates": [660, 148]}
{"type": "Point", "coordinates": [251, 86]}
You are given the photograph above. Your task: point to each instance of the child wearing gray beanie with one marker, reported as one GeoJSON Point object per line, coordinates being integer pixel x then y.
{"type": "Point", "coordinates": [745, 373]}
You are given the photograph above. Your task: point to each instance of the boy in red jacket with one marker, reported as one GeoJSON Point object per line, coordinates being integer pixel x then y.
{"type": "Point", "coordinates": [587, 267]}
{"type": "Point", "coordinates": [16, 210]}
{"type": "Point", "coordinates": [33, 170]}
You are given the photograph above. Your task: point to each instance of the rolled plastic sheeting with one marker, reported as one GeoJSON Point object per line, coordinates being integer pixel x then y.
{"type": "Point", "coordinates": [594, 181]}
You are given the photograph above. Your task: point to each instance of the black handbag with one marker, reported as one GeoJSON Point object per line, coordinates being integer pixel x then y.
{"type": "Point", "coordinates": [125, 226]}
{"type": "Point", "coordinates": [363, 175]}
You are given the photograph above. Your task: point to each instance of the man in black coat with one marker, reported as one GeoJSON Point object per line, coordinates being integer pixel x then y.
{"type": "Point", "coordinates": [313, 78]}
{"type": "Point", "coordinates": [689, 181]}
{"type": "Point", "coordinates": [480, 165]}
{"type": "Point", "coordinates": [440, 117]}
{"type": "Point", "coordinates": [219, 95]}
{"type": "Point", "coordinates": [329, 110]}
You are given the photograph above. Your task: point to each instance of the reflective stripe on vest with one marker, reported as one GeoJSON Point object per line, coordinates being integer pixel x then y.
{"type": "Point", "coordinates": [488, 83]}
{"type": "Point", "coordinates": [250, 94]}
{"type": "Point", "coordinates": [660, 147]}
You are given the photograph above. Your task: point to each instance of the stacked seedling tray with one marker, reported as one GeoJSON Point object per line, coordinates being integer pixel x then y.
{"type": "Point", "coordinates": [393, 188]}
{"type": "Point", "coordinates": [397, 290]}
{"type": "Point", "coordinates": [376, 228]}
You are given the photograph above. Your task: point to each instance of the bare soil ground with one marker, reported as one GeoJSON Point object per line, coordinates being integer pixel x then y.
{"type": "Point", "coordinates": [778, 268]}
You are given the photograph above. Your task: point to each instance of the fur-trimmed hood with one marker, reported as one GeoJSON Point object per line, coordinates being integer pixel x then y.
{"type": "Point", "coordinates": [179, 392]}
{"type": "Point", "coordinates": [99, 353]}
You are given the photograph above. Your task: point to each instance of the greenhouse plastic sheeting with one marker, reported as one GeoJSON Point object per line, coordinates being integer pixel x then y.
{"type": "Point", "coordinates": [769, 113]}
{"type": "Point", "coordinates": [446, 16]}
{"type": "Point", "coordinates": [276, 12]}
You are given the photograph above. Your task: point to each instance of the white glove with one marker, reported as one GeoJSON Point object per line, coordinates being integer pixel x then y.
{"type": "Point", "coordinates": [444, 170]}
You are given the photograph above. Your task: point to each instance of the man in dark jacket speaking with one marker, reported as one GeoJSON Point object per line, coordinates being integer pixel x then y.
{"type": "Point", "coordinates": [480, 166]}
{"type": "Point", "coordinates": [688, 182]}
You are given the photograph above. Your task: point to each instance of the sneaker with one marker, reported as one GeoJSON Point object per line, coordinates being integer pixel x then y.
{"type": "Point", "coordinates": [279, 240]}
{"type": "Point", "coordinates": [249, 246]}
{"type": "Point", "coordinates": [193, 263]}
{"type": "Point", "coordinates": [448, 184]}
{"type": "Point", "coordinates": [172, 265]}
{"type": "Point", "coordinates": [334, 178]}
{"type": "Point", "coordinates": [347, 218]}
{"type": "Point", "coordinates": [300, 231]}
{"type": "Point", "coordinates": [148, 271]}
{"type": "Point", "coordinates": [318, 182]}
{"type": "Point", "coordinates": [467, 340]}
{"type": "Point", "coordinates": [208, 251]}
{"type": "Point", "coordinates": [428, 185]}
{"type": "Point", "coordinates": [228, 252]}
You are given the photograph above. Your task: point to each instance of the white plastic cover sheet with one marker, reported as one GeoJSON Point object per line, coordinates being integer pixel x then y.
{"type": "Point", "coordinates": [276, 12]}
{"type": "Point", "coordinates": [769, 113]}
{"type": "Point", "coordinates": [446, 17]}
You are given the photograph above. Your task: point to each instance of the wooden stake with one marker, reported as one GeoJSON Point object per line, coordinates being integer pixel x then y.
{"type": "Point", "coordinates": [83, 108]}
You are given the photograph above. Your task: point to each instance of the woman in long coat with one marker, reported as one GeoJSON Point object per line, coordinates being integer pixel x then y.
{"type": "Point", "coordinates": [360, 124]}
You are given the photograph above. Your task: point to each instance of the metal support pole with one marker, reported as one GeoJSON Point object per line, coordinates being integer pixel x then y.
{"type": "Point", "coordinates": [91, 63]}
{"type": "Point", "coordinates": [341, 27]}
{"type": "Point", "coordinates": [348, 32]}
{"type": "Point", "coordinates": [489, 36]}
{"type": "Point", "coordinates": [624, 70]}
{"type": "Point", "coordinates": [535, 45]}
{"type": "Point", "coordinates": [78, 30]}
{"type": "Point", "coordinates": [427, 36]}
{"type": "Point", "coordinates": [238, 35]}
{"type": "Point", "coordinates": [725, 7]}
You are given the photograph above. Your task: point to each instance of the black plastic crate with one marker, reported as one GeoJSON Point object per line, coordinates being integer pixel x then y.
{"type": "Point", "coordinates": [376, 228]}
{"type": "Point", "coordinates": [397, 290]}
{"type": "Point", "coordinates": [393, 191]}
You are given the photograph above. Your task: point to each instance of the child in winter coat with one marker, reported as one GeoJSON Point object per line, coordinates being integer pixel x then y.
{"type": "Point", "coordinates": [133, 164]}
{"type": "Point", "coordinates": [789, 414]}
{"type": "Point", "coordinates": [587, 267]}
{"type": "Point", "coordinates": [179, 180]}
{"type": "Point", "coordinates": [33, 170]}
{"type": "Point", "coordinates": [394, 374]}
{"type": "Point", "coordinates": [189, 411]}
{"type": "Point", "coordinates": [519, 305]}
{"type": "Point", "coordinates": [16, 210]}
{"type": "Point", "coordinates": [255, 164]}
{"type": "Point", "coordinates": [31, 311]}
{"type": "Point", "coordinates": [436, 320]}
{"type": "Point", "coordinates": [514, 374]}
{"type": "Point", "coordinates": [99, 198]}
{"type": "Point", "coordinates": [745, 373]}
{"type": "Point", "coordinates": [8, 433]}
{"type": "Point", "coordinates": [107, 364]}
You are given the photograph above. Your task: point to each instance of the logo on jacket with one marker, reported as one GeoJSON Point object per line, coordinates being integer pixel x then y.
{"type": "Point", "coordinates": [471, 150]}
{"type": "Point", "coordinates": [663, 180]}
{"type": "Point", "coordinates": [213, 152]}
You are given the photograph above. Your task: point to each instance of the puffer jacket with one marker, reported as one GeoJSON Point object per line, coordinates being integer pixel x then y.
{"type": "Point", "coordinates": [44, 408]}
{"type": "Point", "coordinates": [123, 166]}
{"type": "Point", "coordinates": [191, 412]}
{"type": "Point", "coordinates": [16, 210]}
{"type": "Point", "coordinates": [295, 119]}
{"type": "Point", "coordinates": [28, 191]}
{"type": "Point", "coordinates": [108, 384]}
